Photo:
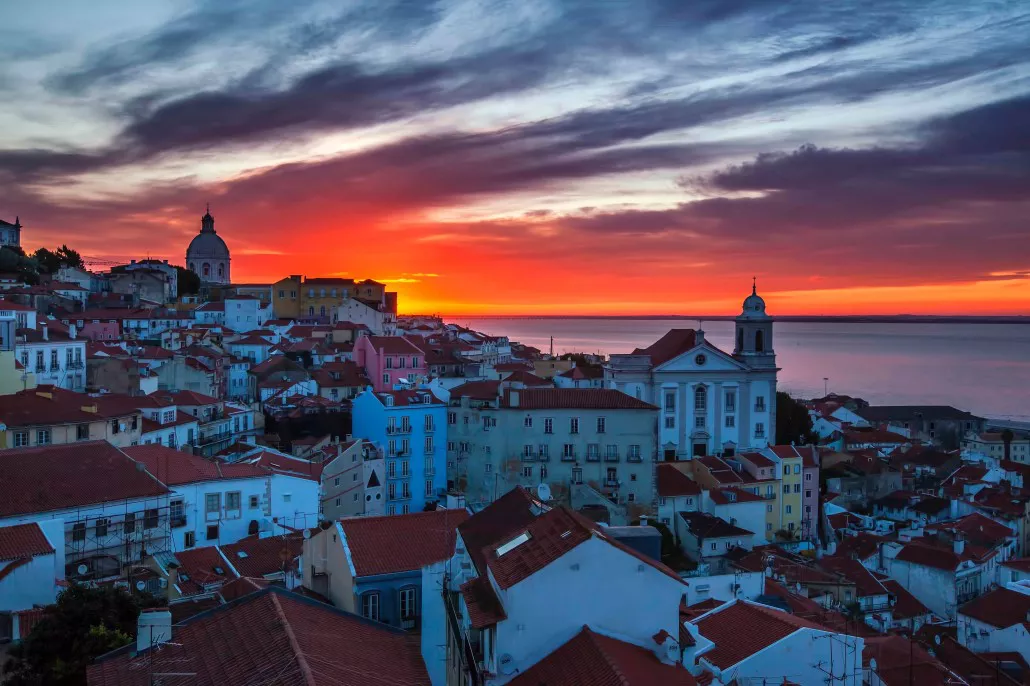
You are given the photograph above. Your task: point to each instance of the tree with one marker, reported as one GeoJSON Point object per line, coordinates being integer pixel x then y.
{"type": "Point", "coordinates": [84, 624]}
{"type": "Point", "coordinates": [51, 260]}
{"type": "Point", "coordinates": [1006, 437]}
{"type": "Point", "coordinates": [189, 282]}
{"type": "Point", "coordinates": [14, 261]}
{"type": "Point", "coordinates": [793, 423]}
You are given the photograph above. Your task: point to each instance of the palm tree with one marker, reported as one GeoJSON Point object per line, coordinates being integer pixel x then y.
{"type": "Point", "coordinates": [1006, 437]}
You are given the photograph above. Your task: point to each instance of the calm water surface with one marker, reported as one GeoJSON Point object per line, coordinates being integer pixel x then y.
{"type": "Point", "coordinates": [983, 368]}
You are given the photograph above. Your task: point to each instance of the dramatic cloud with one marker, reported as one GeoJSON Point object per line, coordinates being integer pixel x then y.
{"type": "Point", "coordinates": [664, 149]}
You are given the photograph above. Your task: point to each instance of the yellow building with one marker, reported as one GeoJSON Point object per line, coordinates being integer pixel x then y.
{"type": "Point", "coordinates": [317, 299]}
{"type": "Point", "coordinates": [791, 488]}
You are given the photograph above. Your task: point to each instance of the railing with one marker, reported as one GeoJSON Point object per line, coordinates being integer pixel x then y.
{"type": "Point", "coordinates": [634, 458]}
{"type": "Point", "coordinates": [593, 457]}
{"type": "Point", "coordinates": [568, 458]}
{"type": "Point", "coordinates": [611, 457]}
{"type": "Point", "coordinates": [611, 483]}
{"type": "Point", "coordinates": [177, 521]}
{"type": "Point", "coordinates": [467, 655]}
{"type": "Point", "coordinates": [430, 428]}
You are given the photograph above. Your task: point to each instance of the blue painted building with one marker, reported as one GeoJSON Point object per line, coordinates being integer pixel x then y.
{"type": "Point", "coordinates": [411, 428]}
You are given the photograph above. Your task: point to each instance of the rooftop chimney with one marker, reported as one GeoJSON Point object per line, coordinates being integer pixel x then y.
{"type": "Point", "coordinates": [153, 627]}
{"type": "Point", "coordinates": [46, 336]}
{"type": "Point", "coordinates": [959, 545]}
{"type": "Point", "coordinates": [71, 331]}
{"type": "Point", "coordinates": [699, 336]}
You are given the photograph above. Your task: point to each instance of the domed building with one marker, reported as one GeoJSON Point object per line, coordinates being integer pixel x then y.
{"type": "Point", "coordinates": [208, 255]}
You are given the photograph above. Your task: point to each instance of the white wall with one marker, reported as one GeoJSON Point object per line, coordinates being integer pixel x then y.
{"type": "Point", "coordinates": [747, 515]}
{"type": "Point", "coordinates": [805, 657]}
{"type": "Point", "coordinates": [594, 584]}
{"type": "Point", "coordinates": [434, 623]}
{"type": "Point", "coordinates": [981, 637]}
{"type": "Point", "coordinates": [242, 315]}
{"type": "Point", "coordinates": [720, 587]}
{"type": "Point", "coordinates": [231, 526]}
{"type": "Point", "coordinates": [295, 501]}
{"type": "Point", "coordinates": [34, 583]}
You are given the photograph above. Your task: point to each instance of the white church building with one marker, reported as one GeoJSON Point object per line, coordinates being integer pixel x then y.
{"type": "Point", "coordinates": [207, 255]}
{"type": "Point", "coordinates": [711, 402]}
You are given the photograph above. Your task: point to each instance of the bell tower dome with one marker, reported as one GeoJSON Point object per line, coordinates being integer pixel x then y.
{"type": "Point", "coordinates": [754, 333]}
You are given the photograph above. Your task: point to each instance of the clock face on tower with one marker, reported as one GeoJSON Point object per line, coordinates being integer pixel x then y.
{"type": "Point", "coordinates": [700, 360]}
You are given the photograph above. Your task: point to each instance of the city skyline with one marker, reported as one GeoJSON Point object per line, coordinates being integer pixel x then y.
{"type": "Point", "coordinates": [539, 157]}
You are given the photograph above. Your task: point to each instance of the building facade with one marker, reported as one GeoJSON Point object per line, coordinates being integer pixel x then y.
{"type": "Point", "coordinates": [207, 255]}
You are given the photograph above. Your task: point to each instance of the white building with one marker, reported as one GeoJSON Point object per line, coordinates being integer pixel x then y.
{"type": "Point", "coordinates": [243, 313]}
{"type": "Point", "coordinates": [57, 356]}
{"type": "Point", "coordinates": [997, 621]}
{"type": "Point", "coordinates": [31, 572]}
{"type": "Point", "coordinates": [711, 402]}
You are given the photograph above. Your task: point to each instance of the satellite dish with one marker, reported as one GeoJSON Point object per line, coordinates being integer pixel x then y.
{"type": "Point", "coordinates": [306, 534]}
{"type": "Point", "coordinates": [937, 639]}
{"type": "Point", "coordinates": [506, 663]}
{"type": "Point", "coordinates": [82, 569]}
{"type": "Point", "coordinates": [872, 664]}
{"type": "Point", "coordinates": [543, 492]}
{"type": "Point", "coordinates": [140, 585]}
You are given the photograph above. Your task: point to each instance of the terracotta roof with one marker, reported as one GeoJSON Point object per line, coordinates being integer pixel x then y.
{"type": "Point", "coordinates": [260, 557]}
{"type": "Point", "coordinates": [573, 399]}
{"type": "Point", "coordinates": [757, 459]}
{"type": "Point", "coordinates": [174, 467]}
{"type": "Point", "coordinates": [583, 372]}
{"type": "Point", "coordinates": [393, 345]}
{"type": "Point", "coordinates": [274, 636]}
{"type": "Point", "coordinates": [23, 540]}
{"type": "Point", "coordinates": [547, 537]}
{"type": "Point", "coordinates": [202, 567]}
{"type": "Point", "coordinates": [929, 556]}
{"type": "Point", "coordinates": [858, 434]}
{"type": "Point", "coordinates": [676, 342]}
{"type": "Point", "coordinates": [720, 471]}
{"type": "Point", "coordinates": [704, 526]}
{"type": "Point", "coordinates": [672, 482]}
{"type": "Point", "coordinates": [49, 405]}
{"type": "Point", "coordinates": [906, 605]}
{"type": "Point", "coordinates": [477, 390]}
{"type": "Point", "coordinates": [900, 661]}
{"type": "Point", "coordinates": [977, 529]}
{"type": "Point", "coordinates": [401, 543]}
{"type": "Point", "coordinates": [287, 465]}
{"type": "Point", "coordinates": [1020, 563]}
{"type": "Point", "coordinates": [852, 570]}
{"type": "Point", "coordinates": [529, 379]}
{"type": "Point", "coordinates": [56, 477]}
{"type": "Point", "coordinates": [1000, 608]}
{"type": "Point", "coordinates": [595, 659]}
{"type": "Point", "coordinates": [484, 607]}
{"type": "Point", "coordinates": [743, 628]}
{"type": "Point", "coordinates": [512, 512]}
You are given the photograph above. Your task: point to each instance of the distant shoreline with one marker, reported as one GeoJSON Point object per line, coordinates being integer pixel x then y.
{"type": "Point", "coordinates": [838, 319]}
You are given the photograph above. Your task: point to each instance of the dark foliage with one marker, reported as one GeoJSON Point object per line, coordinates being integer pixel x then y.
{"type": "Point", "coordinates": [793, 423]}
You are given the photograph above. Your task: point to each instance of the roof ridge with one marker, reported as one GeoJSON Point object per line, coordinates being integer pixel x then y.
{"type": "Point", "coordinates": [592, 637]}
{"type": "Point", "coordinates": [302, 661]}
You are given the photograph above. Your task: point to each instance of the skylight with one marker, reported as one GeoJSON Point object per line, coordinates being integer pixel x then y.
{"type": "Point", "coordinates": [241, 554]}
{"type": "Point", "coordinates": [513, 544]}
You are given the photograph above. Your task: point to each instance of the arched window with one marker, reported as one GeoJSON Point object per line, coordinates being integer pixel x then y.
{"type": "Point", "coordinates": [207, 269]}
{"type": "Point", "coordinates": [221, 270]}
{"type": "Point", "coordinates": [311, 311]}
{"type": "Point", "coordinates": [740, 339]}
{"type": "Point", "coordinates": [321, 310]}
{"type": "Point", "coordinates": [759, 341]}
{"type": "Point", "coordinates": [700, 398]}
{"type": "Point", "coordinates": [193, 267]}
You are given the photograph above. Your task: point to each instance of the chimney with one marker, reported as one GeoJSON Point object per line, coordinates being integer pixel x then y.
{"type": "Point", "coordinates": [71, 331]}
{"type": "Point", "coordinates": [46, 336]}
{"type": "Point", "coordinates": [513, 398]}
{"type": "Point", "coordinates": [699, 336]}
{"type": "Point", "coordinates": [959, 545]}
{"type": "Point", "coordinates": [153, 627]}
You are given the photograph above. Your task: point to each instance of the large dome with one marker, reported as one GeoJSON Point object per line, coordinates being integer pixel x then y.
{"type": "Point", "coordinates": [209, 246]}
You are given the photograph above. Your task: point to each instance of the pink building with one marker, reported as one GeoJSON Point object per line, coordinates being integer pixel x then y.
{"type": "Point", "coordinates": [100, 330]}
{"type": "Point", "coordinates": [387, 360]}
{"type": "Point", "coordinates": [810, 496]}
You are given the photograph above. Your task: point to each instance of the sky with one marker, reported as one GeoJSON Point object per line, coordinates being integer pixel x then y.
{"type": "Point", "coordinates": [539, 156]}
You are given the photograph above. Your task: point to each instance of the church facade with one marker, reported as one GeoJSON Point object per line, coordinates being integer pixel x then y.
{"type": "Point", "coordinates": [710, 402]}
{"type": "Point", "coordinates": [207, 255]}
{"type": "Point", "coordinates": [10, 234]}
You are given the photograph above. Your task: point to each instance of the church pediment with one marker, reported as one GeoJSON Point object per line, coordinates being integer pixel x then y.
{"type": "Point", "coordinates": [702, 358]}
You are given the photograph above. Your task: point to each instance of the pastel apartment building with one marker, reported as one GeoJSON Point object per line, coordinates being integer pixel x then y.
{"type": "Point", "coordinates": [390, 361]}
{"type": "Point", "coordinates": [411, 428]}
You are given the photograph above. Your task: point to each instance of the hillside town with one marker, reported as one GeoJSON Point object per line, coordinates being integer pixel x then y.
{"type": "Point", "coordinates": [292, 483]}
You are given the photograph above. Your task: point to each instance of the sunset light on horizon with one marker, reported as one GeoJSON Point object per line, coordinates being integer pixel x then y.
{"type": "Point", "coordinates": [541, 157]}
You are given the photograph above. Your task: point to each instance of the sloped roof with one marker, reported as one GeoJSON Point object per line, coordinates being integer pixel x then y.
{"type": "Point", "coordinates": [598, 660]}
{"type": "Point", "coordinates": [477, 390]}
{"type": "Point", "coordinates": [259, 557]}
{"type": "Point", "coordinates": [672, 482]}
{"type": "Point", "coordinates": [704, 525]}
{"type": "Point", "coordinates": [401, 543]}
{"type": "Point", "coordinates": [174, 467]}
{"type": "Point", "coordinates": [274, 636]}
{"type": "Point", "coordinates": [503, 517]}
{"type": "Point", "coordinates": [676, 342]}
{"type": "Point", "coordinates": [393, 345]}
{"type": "Point", "coordinates": [865, 583]}
{"type": "Point", "coordinates": [906, 605]}
{"type": "Point", "coordinates": [56, 477]}
{"type": "Point", "coordinates": [573, 399]}
{"type": "Point", "coordinates": [200, 567]}
{"type": "Point", "coordinates": [23, 540]}
{"type": "Point", "coordinates": [1000, 608]}
{"type": "Point", "coordinates": [484, 607]}
{"type": "Point", "coordinates": [741, 629]}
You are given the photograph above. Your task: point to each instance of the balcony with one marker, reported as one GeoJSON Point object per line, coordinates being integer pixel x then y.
{"type": "Point", "coordinates": [177, 521]}
{"type": "Point", "coordinates": [611, 457]}
{"type": "Point", "coordinates": [593, 457]}
{"type": "Point", "coordinates": [611, 483]}
{"type": "Point", "coordinates": [528, 457]}
{"type": "Point", "coordinates": [759, 407]}
{"type": "Point", "coordinates": [568, 457]}
{"type": "Point", "coordinates": [544, 457]}
{"type": "Point", "coordinates": [634, 458]}
{"type": "Point", "coordinates": [430, 428]}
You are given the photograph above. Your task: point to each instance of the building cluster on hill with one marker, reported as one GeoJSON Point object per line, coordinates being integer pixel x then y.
{"type": "Point", "coordinates": [322, 491]}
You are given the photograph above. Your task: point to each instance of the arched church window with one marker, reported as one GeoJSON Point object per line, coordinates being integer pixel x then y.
{"type": "Point", "coordinates": [759, 341]}
{"type": "Point", "coordinates": [700, 398]}
{"type": "Point", "coordinates": [311, 311]}
{"type": "Point", "coordinates": [193, 267]}
{"type": "Point", "coordinates": [207, 269]}
{"type": "Point", "coordinates": [221, 270]}
{"type": "Point", "coordinates": [321, 310]}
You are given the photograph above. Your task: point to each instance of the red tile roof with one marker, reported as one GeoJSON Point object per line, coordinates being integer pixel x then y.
{"type": "Point", "coordinates": [1020, 563]}
{"type": "Point", "coordinates": [477, 390]}
{"type": "Point", "coordinates": [573, 399]}
{"type": "Point", "coordinates": [56, 477]}
{"type": "Point", "coordinates": [672, 482]}
{"type": "Point", "coordinates": [401, 543]}
{"type": "Point", "coordinates": [928, 555]}
{"type": "Point", "coordinates": [598, 660]}
{"type": "Point", "coordinates": [513, 511]}
{"type": "Point", "coordinates": [273, 636]}
{"type": "Point", "coordinates": [199, 567]}
{"type": "Point", "coordinates": [263, 557]}
{"type": "Point", "coordinates": [977, 529]}
{"type": "Point", "coordinates": [1000, 608]}
{"type": "Point", "coordinates": [906, 605]}
{"type": "Point", "coordinates": [743, 628]}
{"type": "Point", "coordinates": [287, 465]}
{"type": "Point", "coordinates": [676, 342]}
{"type": "Point", "coordinates": [704, 526]}
{"type": "Point", "coordinates": [393, 345]}
{"type": "Point", "coordinates": [757, 459]}
{"type": "Point", "coordinates": [852, 570]}
{"type": "Point", "coordinates": [901, 661]}
{"type": "Point", "coordinates": [174, 467]}
{"type": "Point", "coordinates": [550, 535]}
{"type": "Point", "coordinates": [484, 608]}
{"type": "Point", "coordinates": [23, 540]}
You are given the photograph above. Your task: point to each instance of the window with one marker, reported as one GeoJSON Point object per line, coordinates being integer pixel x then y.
{"type": "Point", "coordinates": [79, 531]}
{"type": "Point", "coordinates": [715, 546]}
{"type": "Point", "coordinates": [786, 488]}
{"type": "Point", "coordinates": [730, 421]}
{"type": "Point", "coordinates": [150, 519]}
{"type": "Point", "coordinates": [101, 527]}
{"type": "Point", "coordinates": [189, 539]}
{"type": "Point", "coordinates": [670, 422]}
{"type": "Point", "coordinates": [527, 422]}
{"type": "Point", "coordinates": [405, 490]}
{"type": "Point", "coordinates": [386, 378]}
{"type": "Point", "coordinates": [407, 602]}
{"type": "Point", "coordinates": [391, 470]}
{"type": "Point", "coordinates": [488, 467]}
{"type": "Point", "coordinates": [593, 452]}
{"type": "Point", "coordinates": [600, 425]}
{"type": "Point", "coordinates": [759, 430]}
{"type": "Point", "coordinates": [21, 439]}
{"type": "Point", "coordinates": [212, 502]}
{"type": "Point", "coordinates": [797, 488]}
{"type": "Point", "coordinates": [569, 450]}
{"type": "Point", "coordinates": [574, 425]}
{"type": "Point", "coordinates": [282, 294]}
{"type": "Point", "coordinates": [391, 491]}
{"type": "Point", "coordinates": [452, 417]}
{"type": "Point", "coordinates": [527, 450]}
{"type": "Point", "coordinates": [787, 509]}
{"type": "Point", "coordinates": [548, 426]}
{"type": "Point", "coordinates": [43, 437]}
{"type": "Point", "coordinates": [634, 453]}
{"type": "Point", "coordinates": [731, 401]}
{"type": "Point", "coordinates": [414, 361]}
{"type": "Point", "coordinates": [428, 423]}
{"type": "Point", "coordinates": [797, 469]}
{"type": "Point", "coordinates": [401, 363]}
{"type": "Point", "coordinates": [543, 450]}
{"type": "Point", "coordinates": [577, 475]}
{"type": "Point", "coordinates": [429, 487]}
{"type": "Point", "coordinates": [699, 422]}
{"type": "Point", "coordinates": [670, 401]}
{"type": "Point", "coordinates": [611, 474]}
{"type": "Point", "coordinates": [611, 452]}
{"type": "Point", "coordinates": [354, 476]}
{"type": "Point", "coordinates": [808, 494]}
{"type": "Point", "coordinates": [253, 502]}
{"type": "Point", "coordinates": [129, 523]}
{"type": "Point", "coordinates": [405, 468]}
{"type": "Point", "coordinates": [759, 403]}
{"type": "Point", "coordinates": [54, 364]}
{"type": "Point", "coordinates": [543, 471]}
{"type": "Point", "coordinates": [700, 399]}
{"type": "Point", "coordinates": [768, 525]}
{"type": "Point", "coordinates": [232, 500]}
{"type": "Point", "coordinates": [40, 367]}
{"type": "Point", "coordinates": [370, 605]}
{"type": "Point", "coordinates": [429, 444]}
{"type": "Point", "coordinates": [336, 481]}
{"type": "Point", "coordinates": [808, 477]}
{"type": "Point", "coordinates": [527, 472]}
{"type": "Point", "coordinates": [632, 477]}
{"type": "Point", "coordinates": [391, 509]}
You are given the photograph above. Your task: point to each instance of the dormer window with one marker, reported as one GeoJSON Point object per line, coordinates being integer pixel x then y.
{"type": "Point", "coordinates": [512, 544]}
